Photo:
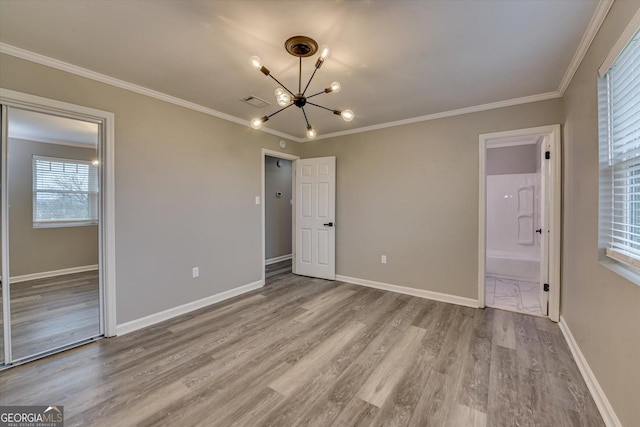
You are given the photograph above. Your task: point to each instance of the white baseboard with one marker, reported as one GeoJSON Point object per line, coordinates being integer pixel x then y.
{"type": "Point", "coordinates": [54, 273]}
{"type": "Point", "coordinates": [606, 410]}
{"type": "Point", "coordinates": [170, 313]}
{"type": "Point", "coordinates": [277, 259]}
{"type": "Point", "coordinates": [436, 296]}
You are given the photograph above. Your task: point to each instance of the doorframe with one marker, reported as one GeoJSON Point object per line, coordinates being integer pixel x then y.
{"type": "Point", "coordinates": [554, 135]}
{"type": "Point", "coordinates": [280, 155]}
{"type": "Point", "coordinates": [107, 120]}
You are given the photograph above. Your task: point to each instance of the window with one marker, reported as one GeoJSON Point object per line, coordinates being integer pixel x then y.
{"type": "Point", "coordinates": [65, 192]}
{"type": "Point", "coordinates": [619, 122]}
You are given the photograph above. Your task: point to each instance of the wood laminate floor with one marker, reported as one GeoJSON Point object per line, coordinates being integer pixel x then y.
{"type": "Point", "coordinates": [53, 312]}
{"type": "Point", "coordinates": [272, 271]}
{"type": "Point", "coordinates": [311, 352]}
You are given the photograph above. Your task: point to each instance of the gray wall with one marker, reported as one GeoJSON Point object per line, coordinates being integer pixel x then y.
{"type": "Point", "coordinates": [186, 184]}
{"type": "Point", "coordinates": [277, 210]}
{"type": "Point", "coordinates": [36, 250]}
{"type": "Point", "coordinates": [510, 160]}
{"type": "Point", "coordinates": [411, 193]}
{"type": "Point", "coordinates": [601, 308]}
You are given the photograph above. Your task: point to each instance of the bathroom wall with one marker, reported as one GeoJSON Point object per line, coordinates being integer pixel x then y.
{"type": "Point", "coordinates": [511, 214]}
{"type": "Point", "coordinates": [512, 200]}
{"type": "Point", "coordinates": [514, 159]}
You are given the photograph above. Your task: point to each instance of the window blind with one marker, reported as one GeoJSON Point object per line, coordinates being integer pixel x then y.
{"type": "Point", "coordinates": [622, 83]}
{"type": "Point", "coordinates": [64, 190]}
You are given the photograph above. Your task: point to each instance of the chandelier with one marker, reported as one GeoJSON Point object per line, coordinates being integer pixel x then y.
{"type": "Point", "coordinates": [302, 47]}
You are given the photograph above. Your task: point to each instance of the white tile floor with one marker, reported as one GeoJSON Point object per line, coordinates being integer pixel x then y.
{"type": "Point", "coordinates": [514, 295]}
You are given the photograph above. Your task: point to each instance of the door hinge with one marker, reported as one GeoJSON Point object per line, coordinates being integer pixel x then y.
{"type": "Point", "coordinates": [546, 287]}
{"type": "Point", "coordinates": [547, 155]}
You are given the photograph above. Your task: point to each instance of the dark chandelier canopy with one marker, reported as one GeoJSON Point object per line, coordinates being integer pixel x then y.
{"type": "Point", "coordinates": [302, 47]}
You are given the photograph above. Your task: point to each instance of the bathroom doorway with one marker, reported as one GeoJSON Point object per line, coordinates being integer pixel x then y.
{"type": "Point", "coordinates": [519, 221]}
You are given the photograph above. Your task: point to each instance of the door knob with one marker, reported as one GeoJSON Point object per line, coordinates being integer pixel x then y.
{"type": "Point", "coordinates": [329, 224]}
{"type": "Point", "coordinates": [539, 230]}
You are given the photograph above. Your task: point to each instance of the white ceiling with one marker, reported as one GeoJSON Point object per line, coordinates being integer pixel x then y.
{"type": "Point", "coordinates": [396, 60]}
{"type": "Point", "coordinates": [32, 126]}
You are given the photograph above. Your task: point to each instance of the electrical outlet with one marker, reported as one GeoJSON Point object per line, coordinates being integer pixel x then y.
{"type": "Point", "coordinates": [257, 200]}
{"type": "Point", "coordinates": [383, 259]}
{"type": "Point", "coordinates": [195, 271]}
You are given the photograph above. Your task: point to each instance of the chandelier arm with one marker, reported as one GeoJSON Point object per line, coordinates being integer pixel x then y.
{"type": "Point", "coordinates": [309, 82]}
{"type": "Point", "coordinates": [285, 88]}
{"type": "Point", "coordinates": [316, 94]}
{"type": "Point", "coordinates": [320, 106]}
{"type": "Point", "coordinates": [305, 116]}
{"type": "Point", "coordinates": [282, 109]}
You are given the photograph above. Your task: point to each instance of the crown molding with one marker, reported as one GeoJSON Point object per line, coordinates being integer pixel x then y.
{"type": "Point", "coordinates": [451, 113]}
{"type": "Point", "coordinates": [103, 78]}
{"type": "Point", "coordinates": [587, 38]}
{"type": "Point", "coordinates": [592, 29]}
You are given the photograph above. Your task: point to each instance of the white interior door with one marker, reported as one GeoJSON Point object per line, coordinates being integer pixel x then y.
{"type": "Point", "coordinates": [315, 217]}
{"type": "Point", "coordinates": [544, 224]}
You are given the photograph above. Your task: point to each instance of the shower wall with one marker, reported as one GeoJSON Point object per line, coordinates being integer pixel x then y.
{"type": "Point", "coordinates": [513, 213]}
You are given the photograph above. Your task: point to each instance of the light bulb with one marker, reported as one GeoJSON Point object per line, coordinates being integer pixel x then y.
{"type": "Point", "coordinates": [283, 98]}
{"type": "Point", "coordinates": [311, 132]}
{"type": "Point", "coordinates": [258, 121]}
{"type": "Point", "coordinates": [325, 52]}
{"type": "Point", "coordinates": [347, 115]}
{"type": "Point", "coordinates": [95, 162]}
{"type": "Point", "coordinates": [255, 62]}
{"type": "Point", "coordinates": [335, 87]}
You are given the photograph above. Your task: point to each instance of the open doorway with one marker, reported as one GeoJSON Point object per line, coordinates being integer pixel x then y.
{"type": "Point", "coordinates": [514, 250]}
{"type": "Point", "coordinates": [519, 221]}
{"type": "Point", "coordinates": [278, 219]}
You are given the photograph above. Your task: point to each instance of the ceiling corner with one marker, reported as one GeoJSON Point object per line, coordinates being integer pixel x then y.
{"type": "Point", "coordinates": [590, 33]}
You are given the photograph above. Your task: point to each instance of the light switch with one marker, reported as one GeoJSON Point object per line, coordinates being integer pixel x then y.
{"type": "Point", "coordinates": [257, 200]}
